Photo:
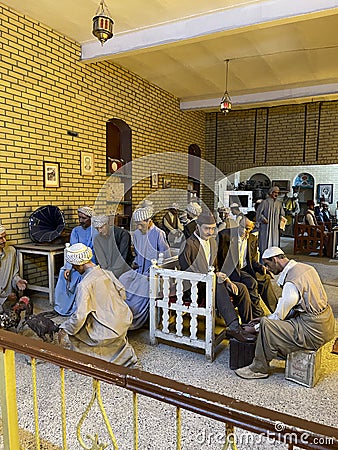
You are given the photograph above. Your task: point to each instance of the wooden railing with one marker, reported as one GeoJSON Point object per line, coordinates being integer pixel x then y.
{"type": "Point", "coordinates": [281, 427]}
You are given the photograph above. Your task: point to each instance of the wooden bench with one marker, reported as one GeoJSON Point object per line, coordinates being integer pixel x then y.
{"type": "Point", "coordinates": [308, 239]}
{"type": "Point", "coordinates": [175, 320]}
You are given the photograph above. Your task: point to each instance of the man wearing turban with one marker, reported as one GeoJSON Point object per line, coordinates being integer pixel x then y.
{"type": "Point", "coordinates": [112, 246]}
{"type": "Point", "coordinates": [68, 278]}
{"type": "Point", "coordinates": [101, 319]}
{"type": "Point", "coordinates": [303, 319]}
{"type": "Point", "coordinates": [149, 241]}
{"type": "Point", "coordinates": [10, 280]}
{"type": "Point", "coordinates": [269, 216]}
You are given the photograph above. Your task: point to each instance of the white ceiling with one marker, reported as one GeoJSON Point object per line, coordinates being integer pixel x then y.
{"type": "Point", "coordinates": [280, 51]}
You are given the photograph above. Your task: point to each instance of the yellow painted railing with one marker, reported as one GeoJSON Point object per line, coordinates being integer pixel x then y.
{"type": "Point", "coordinates": [231, 412]}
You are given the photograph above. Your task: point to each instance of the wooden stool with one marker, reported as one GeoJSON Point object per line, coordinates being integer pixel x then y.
{"type": "Point", "coordinates": [303, 367]}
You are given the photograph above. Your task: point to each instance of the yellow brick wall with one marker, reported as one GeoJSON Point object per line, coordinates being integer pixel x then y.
{"type": "Point", "coordinates": [283, 135]}
{"type": "Point", "coordinates": [46, 91]}
{"type": "Point", "coordinates": [292, 135]}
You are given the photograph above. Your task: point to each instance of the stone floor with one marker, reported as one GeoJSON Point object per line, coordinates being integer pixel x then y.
{"type": "Point", "coordinates": [156, 420]}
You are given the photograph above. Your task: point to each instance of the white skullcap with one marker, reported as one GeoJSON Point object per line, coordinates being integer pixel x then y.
{"type": "Point", "coordinates": [145, 212]}
{"type": "Point", "coordinates": [99, 221]}
{"type": "Point", "coordinates": [194, 209]}
{"type": "Point", "coordinates": [78, 254]}
{"type": "Point", "coordinates": [2, 229]}
{"type": "Point", "coordinates": [234, 205]}
{"type": "Point", "coordinates": [258, 201]}
{"type": "Point", "coordinates": [86, 210]}
{"type": "Point", "coordinates": [272, 251]}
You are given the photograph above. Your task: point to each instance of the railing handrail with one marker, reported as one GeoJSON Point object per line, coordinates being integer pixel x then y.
{"type": "Point", "coordinates": [250, 417]}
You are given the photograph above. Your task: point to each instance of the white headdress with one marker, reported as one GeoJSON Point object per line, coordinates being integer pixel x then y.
{"type": "Point", "coordinates": [99, 221]}
{"type": "Point", "coordinates": [86, 210]}
{"type": "Point", "coordinates": [78, 254]}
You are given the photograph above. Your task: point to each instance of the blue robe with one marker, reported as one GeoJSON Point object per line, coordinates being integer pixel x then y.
{"type": "Point", "coordinates": [136, 282]}
{"type": "Point", "coordinates": [65, 290]}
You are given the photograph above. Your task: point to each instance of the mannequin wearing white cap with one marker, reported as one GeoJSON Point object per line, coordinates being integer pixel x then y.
{"type": "Point", "coordinates": [149, 241]}
{"type": "Point", "coordinates": [112, 246]}
{"type": "Point", "coordinates": [226, 220]}
{"type": "Point", "coordinates": [236, 213]}
{"type": "Point", "coordinates": [268, 219]}
{"type": "Point", "coordinates": [69, 279]}
{"type": "Point", "coordinates": [101, 319]}
{"type": "Point", "coordinates": [10, 281]}
{"type": "Point", "coordinates": [302, 320]}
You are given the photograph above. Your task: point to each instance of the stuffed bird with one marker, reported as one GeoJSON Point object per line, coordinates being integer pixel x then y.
{"type": "Point", "coordinates": [42, 326]}
{"type": "Point", "coordinates": [12, 308]}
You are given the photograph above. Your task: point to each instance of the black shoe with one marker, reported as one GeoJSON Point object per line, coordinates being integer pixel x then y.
{"type": "Point", "coordinates": [240, 335]}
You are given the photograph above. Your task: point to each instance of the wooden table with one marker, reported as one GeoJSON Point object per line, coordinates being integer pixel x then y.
{"type": "Point", "coordinates": [48, 250]}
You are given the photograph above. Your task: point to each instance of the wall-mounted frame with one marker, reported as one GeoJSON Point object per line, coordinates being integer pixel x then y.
{"type": "Point", "coordinates": [325, 193]}
{"type": "Point", "coordinates": [166, 183]}
{"type": "Point", "coordinates": [154, 179]}
{"type": "Point", "coordinates": [284, 185]}
{"type": "Point", "coordinates": [87, 163]}
{"type": "Point", "coordinates": [51, 174]}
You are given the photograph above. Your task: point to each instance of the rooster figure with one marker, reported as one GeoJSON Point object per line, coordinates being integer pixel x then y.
{"type": "Point", "coordinates": [12, 308]}
{"type": "Point", "coordinates": [42, 326]}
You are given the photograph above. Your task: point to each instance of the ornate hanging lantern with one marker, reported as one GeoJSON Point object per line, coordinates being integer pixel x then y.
{"type": "Point", "coordinates": [102, 24]}
{"type": "Point", "coordinates": [226, 103]}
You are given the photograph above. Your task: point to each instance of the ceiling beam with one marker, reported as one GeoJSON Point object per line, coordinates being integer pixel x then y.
{"type": "Point", "coordinates": [272, 98]}
{"type": "Point", "coordinates": [256, 14]}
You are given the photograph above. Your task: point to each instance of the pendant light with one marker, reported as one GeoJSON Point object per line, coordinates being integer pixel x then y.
{"type": "Point", "coordinates": [102, 23]}
{"type": "Point", "coordinates": [226, 104]}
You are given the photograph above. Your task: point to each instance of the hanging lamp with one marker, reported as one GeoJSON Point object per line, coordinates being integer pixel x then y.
{"type": "Point", "coordinates": [226, 103]}
{"type": "Point", "coordinates": [102, 23]}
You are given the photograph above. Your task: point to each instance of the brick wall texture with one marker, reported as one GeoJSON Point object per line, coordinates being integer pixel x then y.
{"type": "Point", "coordinates": [46, 91]}
{"type": "Point", "coordinates": [288, 136]}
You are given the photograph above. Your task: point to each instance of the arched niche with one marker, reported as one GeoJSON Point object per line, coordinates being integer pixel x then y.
{"type": "Point", "coordinates": [118, 153]}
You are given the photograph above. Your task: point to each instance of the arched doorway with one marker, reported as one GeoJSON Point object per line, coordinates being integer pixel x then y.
{"type": "Point", "coordinates": [304, 184]}
{"type": "Point", "coordinates": [119, 153]}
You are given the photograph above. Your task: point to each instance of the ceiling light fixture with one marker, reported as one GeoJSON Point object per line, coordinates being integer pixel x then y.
{"type": "Point", "coordinates": [226, 104]}
{"type": "Point", "coordinates": [102, 23]}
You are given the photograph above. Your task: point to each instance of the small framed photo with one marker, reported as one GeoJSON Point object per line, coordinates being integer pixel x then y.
{"type": "Point", "coordinates": [166, 183]}
{"type": "Point", "coordinates": [87, 163]}
{"type": "Point", "coordinates": [154, 179]}
{"type": "Point", "coordinates": [325, 193]}
{"type": "Point", "coordinates": [51, 174]}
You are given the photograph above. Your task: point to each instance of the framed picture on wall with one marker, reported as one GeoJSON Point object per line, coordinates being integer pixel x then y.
{"type": "Point", "coordinates": [51, 174]}
{"type": "Point", "coordinates": [87, 163]}
{"type": "Point", "coordinates": [166, 183]}
{"type": "Point", "coordinates": [154, 180]}
{"type": "Point", "coordinates": [325, 193]}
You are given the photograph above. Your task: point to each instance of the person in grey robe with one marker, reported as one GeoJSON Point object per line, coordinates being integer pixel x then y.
{"type": "Point", "coordinates": [99, 325]}
{"type": "Point", "coordinates": [268, 219]}
{"type": "Point", "coordinates": [112, 246]}
{"type": "Point", "coordinates": [303, 319]}
{"type": "Point", "coordinates": [10, 280]}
